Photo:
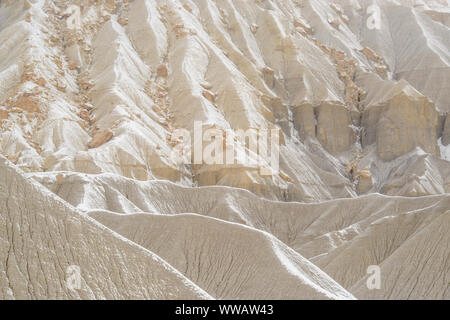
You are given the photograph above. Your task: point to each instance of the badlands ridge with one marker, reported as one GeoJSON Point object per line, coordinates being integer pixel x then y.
{"type": "Point", "coordinates": [93, 92]}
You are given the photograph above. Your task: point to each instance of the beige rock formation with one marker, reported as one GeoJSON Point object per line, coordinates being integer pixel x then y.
{"type": "Point", "coordinates": [365, 181]}
{"type": "Point", "coordinates": [334, 127]}
{"type": "Point", "coordinates": [3, 114]}
{"type": "Point", "coordinates": [446, 132]}
{"type": "Point", "coordinates": [305, 120]}
{"type": "Point", "coordinates": [404, 121]}
{"type": "Point", "coordinates": [92, 106]}
{"type": "Point", "coordinates": [100, 138]}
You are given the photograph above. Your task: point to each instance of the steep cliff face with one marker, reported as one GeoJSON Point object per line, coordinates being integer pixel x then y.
{"type": "Point", "coordinates": [401, 122]}
{"type": "Point", "coordinates": [335, 128]}
{"type": "Point", "coordinates": [42, 236]}
{"type": "Point", "coordinates": [97, 99]}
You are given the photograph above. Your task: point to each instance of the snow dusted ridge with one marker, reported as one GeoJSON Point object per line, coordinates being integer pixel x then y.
{"type": "Point", "coordinates": [92, 94]}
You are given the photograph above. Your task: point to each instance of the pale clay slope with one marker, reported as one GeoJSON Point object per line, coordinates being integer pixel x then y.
{"type": "Point", "coordinates": [42, 236]}
{"type": "Point", "coordinates": [343, 237]}
{"type": "Point", "coordinates": [45, 237]}
{"type": "Point", "coordinates": [89, 114]}
{"type": "Point", "coordinates": [250, 264]}
{"type": "Point", "coordinates": [426, 253]}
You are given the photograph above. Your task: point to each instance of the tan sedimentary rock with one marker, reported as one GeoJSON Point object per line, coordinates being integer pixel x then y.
{"type": "Point", "coordinates": [61, 86]}
{"type": "Point", "coordinates": [365, 182]}
{"type": "Point", "coordinates": [187, 7]}
{"type": "Point", "coordinates": [111, 5]}
{"type": "Point", "coordinates": [206, 85]}
{"type": "Point", "coordinates": [122, 21]}
{"type": "Point", "coordinates": [306, 28]}
{"type": "Point", "coordinates": [85, 84]}
{"type": "Point", "coordinates": [73, 65]}
{"type": "Point", "coordinates": [335, 23]}
{"type": "Point", "coordinates": [180, 30]}
{"type": "Point", "coordinates": [41, 81]}
{"type": "Point", "coordinates": [4, 114]}
{"type": "Point", "coordinates": [370, 54]}
{"type": "Point", "coordinates": [304, 120]}
{"type": "Point", "coordinates": [99, 138]}
{"type": "Point", "coordinates": [269, 76]}
{"type": "Point", "coordinates": [404, 121]}
{"type": "Point", "coordinates": [446, 132]}
{"type": "Point", "coordinates": [382, 71]}
{"type": "Point", "coordinates": [308, 68]}
{"type": "Point", "coordinates": [334, 127]}
{"type": "Point", "coordinates": [162, 70]}
{"type": "Point", "coordinates": [209, 95]}
{"type": "Point", "coordinates": [84, 115]}
{"type": "Point", "coordinates": [28, 103]}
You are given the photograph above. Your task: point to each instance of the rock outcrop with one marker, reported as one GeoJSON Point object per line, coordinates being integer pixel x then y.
{"type": "Point", "coordinates": [335, 127]}
{"type": "Point", "coordinates": [403, 121]}
{"type": "Point", "coordinates": [446, 131]}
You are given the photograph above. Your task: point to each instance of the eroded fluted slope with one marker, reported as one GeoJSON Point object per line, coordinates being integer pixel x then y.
{"type": "Point", "coordinates": [41, 236]}
{"type": "Point", "coordinates": [89, 108]}
{"type": "Point", "coordinates": [343, 237]}
{"type": "Point", "coordinates": [228, 260]}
